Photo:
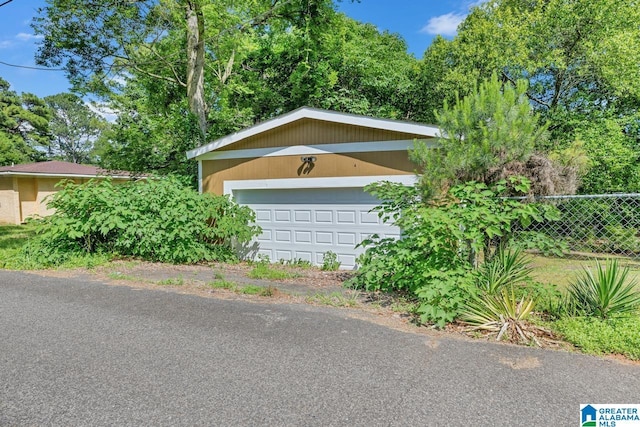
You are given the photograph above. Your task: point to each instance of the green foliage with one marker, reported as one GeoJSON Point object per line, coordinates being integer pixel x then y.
{"type": "Point", "coordinates": [263, 270]}
{"type": "Point", "coordinates": [330, 261]}
{"type": "Point", "coordinates": [580, 60]}
{"type": "Point", "coordinates": [482, 134]}
{"type": "Point", "coordinates": [155, 219]}
{"type": "Point", "coordinates": [335, 299]}
{"type": "Point", "coordinates": [443, 241]}
{"type": "Point", "coordinates": [606, 293]}
{"type": "Point", "coordinates": [172, 281]}
{"type": "Point", "coordinates": [610, 336]}
{"type": "Point", "coordinates": [223, 284]}
{"type": "Point", "coordinates": [506, 268]}
{"type": "Point", "coordinates": [501, 313]}
{"type": "Point", "coordinates": [74, 127]}
{"type": "Point", "coordinates": [24, 121]}
{"type": "Point", "coordinates": [614, 156]}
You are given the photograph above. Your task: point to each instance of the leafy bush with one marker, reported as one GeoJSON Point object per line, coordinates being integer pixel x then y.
{"type": "Point", "coordinates": [606, 293]}
{"type": "Point", "coordinates": [442, 242]}
{"type": "Point", "coordinates": [611, 336]}
{"type": "Point", "coordinates": [156, 219]}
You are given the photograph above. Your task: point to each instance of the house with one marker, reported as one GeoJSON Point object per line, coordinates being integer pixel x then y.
{"type": "Point", "coordinates": [24, 187]}
{"type": "Point", "coordinates": [303, 174]}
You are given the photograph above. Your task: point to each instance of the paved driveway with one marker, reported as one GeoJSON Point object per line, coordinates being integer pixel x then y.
{"type": "Point", "coordinates": [76, 352]}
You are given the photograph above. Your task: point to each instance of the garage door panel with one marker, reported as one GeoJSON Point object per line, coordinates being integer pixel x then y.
{"type": "Point", "coordinates": [324, 238]}
{"type": "Point", "coordinates": [303, 216]}
{"type": "Point", "coordinates": [303, 237]}
{"type": "Point", "coordinates": [324, 217]}
{"type": "Point", "coordinates": [346, 217]}
{"type": "Point", "coordinates": [348, 239]}
{"type": "Point", "coordinates": [304, 224]}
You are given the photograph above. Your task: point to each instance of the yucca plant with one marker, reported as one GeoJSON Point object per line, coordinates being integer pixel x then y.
{"type": "Point", "coordinates": [504, 314]}
{"type": "Point", "coordinates": [506, 268]}
{"type": "Point", "coordinates": [607, 293]}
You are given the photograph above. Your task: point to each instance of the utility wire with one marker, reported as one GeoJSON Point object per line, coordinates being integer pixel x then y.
{"type": "Point", "coordinates": [6, 2]}
{"type": "Point", "coordinates": [30, 68]}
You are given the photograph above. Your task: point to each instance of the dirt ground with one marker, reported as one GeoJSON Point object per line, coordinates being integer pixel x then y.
{"type": "Point", "coordinates": [309, 285]}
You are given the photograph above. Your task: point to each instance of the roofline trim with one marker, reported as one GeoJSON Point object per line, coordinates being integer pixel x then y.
{"type": "Point", "coordinates": [317, 114]}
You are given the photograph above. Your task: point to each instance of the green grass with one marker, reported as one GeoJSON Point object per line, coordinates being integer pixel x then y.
{"type": "Point", "coordinates": [263, 271]}
{"type": "Point", "coordinates": [561, 271]}
{"type": "Point", "coordinates": [222, 284]}
{"type": "Point", "coordinates": [246, 290]}
{"type": "Point", "coordinates": [172, 281]}
{"type": "Point", "coordinates": [335, 299]}
{"type": "Point", "coordinates": [12, 239]}
{"type": "Point", "coordinates": [594, 336]}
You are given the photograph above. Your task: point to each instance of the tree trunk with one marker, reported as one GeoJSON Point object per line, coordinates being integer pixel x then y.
{"type": "Point", "coordinates": [195, 64]}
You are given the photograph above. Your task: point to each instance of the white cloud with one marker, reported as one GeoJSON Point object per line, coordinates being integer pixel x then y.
{"type": "Point", "coordinates": [445, 25]}
{"type": "Point", "coordinates": [25, 37]}
{"type": "Point", "coordinates": [5, 44]}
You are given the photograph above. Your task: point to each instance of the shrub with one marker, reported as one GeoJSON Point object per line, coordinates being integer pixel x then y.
{"type": "Point", "coordinates": [606, 293]}
{"type": "Point", "coordinates": [442, 242]}
{"type": "Point", "coordinates": [156, 219]}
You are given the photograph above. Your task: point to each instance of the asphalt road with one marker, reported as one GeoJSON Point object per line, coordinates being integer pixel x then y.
{"type": "Point", "coordinates": [77, 352]}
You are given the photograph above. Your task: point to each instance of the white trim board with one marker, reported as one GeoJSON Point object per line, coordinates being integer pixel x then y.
{"type": "Point", "coordinates": [317, 114]}
{"type": "Point", "coordinates": [334, 182]}
{"type": "Point", "coordinates": [60, 175]}
{"type": "Point", "coordinates": [305, 150]}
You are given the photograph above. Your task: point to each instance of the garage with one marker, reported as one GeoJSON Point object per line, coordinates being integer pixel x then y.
{"type": "Point", "coordinates": [307, 223]}
{"type": "Point", "coordinates": [304, 173]}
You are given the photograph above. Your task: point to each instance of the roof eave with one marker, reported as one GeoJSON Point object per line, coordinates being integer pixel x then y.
{"type": "Point", "coordinates": [316, 114]}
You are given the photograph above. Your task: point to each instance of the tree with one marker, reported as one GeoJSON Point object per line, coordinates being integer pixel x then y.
{"type": "Point", "coordinates": [482, 136]}
{"type": "Point", "coordinates": [24, 121]}
{"type": "Point", "coordinates": [580, 58]}
{"type": "Point", "coordinates": [74, 128]}
{"type": "Point", "coordinates": [99, 42]}
{"type": "Point", "coordinates": [342, 65]}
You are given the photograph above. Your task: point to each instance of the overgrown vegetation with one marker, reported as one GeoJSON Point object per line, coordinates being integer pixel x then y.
{"type": "Point", "coordinates": [155, 219]}
{"type": "Point", "coordinates": [330, 261]}
{"type": "Point", "coordinates": [444, 241]}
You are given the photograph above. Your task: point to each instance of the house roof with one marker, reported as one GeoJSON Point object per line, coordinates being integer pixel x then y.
{"type": "Point", "coordinates": [60, 169]}
{"type": "Point", "coordinates": [317, 114]}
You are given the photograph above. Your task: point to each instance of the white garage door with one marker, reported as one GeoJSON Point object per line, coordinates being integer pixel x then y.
{"type": "Point", "coordinates": [306, 223]}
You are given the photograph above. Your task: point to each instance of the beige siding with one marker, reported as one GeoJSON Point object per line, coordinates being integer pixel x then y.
{"type": "Point", "coordinates": [46, 187]}
{"type": "Point", "coordinates": [24, 197]}
{"type": "Point", "coordinates": [9, 202]}
{"type": "Point", "coordinates": [28, 191]}
{"type": "Point", "coordinates": [314, 132]}
{"type": "Point", "coordinates": [215, 172]}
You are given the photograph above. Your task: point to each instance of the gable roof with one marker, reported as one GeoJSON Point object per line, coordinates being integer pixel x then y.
{"type": "Point", "coordinates": [60, 169]}
{"type": "Point", "coordinates": [317, 114]}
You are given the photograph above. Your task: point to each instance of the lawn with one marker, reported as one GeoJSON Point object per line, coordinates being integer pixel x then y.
{"type": "Point", "coordinates": [12, 238]}
{"type": "Point", "coordinates": [561, 271]}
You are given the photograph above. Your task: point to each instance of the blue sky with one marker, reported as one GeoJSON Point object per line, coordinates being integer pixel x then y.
{"type": "Point", "coordinates": [417, 21]}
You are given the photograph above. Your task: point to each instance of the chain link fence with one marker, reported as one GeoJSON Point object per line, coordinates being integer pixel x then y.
{"type": "Point", "coordinates": [597, 224]}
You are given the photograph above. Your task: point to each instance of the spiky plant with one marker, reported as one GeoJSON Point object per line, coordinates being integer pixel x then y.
{"type": "Point", "coordinates": [503, 314]}
{"type": "Point", "coordinates": [504, 269]}
{"type": "Point", "coordinates": [606, 293]}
